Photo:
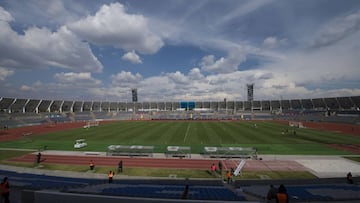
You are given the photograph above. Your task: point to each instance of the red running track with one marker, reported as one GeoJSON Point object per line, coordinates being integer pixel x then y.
{"type": "Point", "coordinates": [203, 164]}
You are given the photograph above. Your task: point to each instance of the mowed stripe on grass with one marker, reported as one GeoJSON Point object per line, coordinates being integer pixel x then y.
{"type": "Point", "coordinates": [268, 137]}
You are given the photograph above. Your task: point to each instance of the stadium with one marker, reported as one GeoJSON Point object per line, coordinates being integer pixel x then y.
{"type": "Point", "coordinates": [262, 142]}
{"type": "Point", "coordinates": [179, 101]}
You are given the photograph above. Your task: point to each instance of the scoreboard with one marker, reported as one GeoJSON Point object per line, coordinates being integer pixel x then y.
{"type": "Point", "coordinates": [188, 105]}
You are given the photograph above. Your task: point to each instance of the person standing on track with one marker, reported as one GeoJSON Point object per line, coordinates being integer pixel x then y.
{"type": "Point", "coordinates": [91, 165]}
{"type": "Point", "coordinates": [120, 166]}
{"type": "Point", "coordinates": [228, 176]}
{"type": "Point", "coordinates": [213, 169]}
{"type": "Point", "coordinates": [349, 178]}
{"type": "Point", "coordinates": [220, 167]}
{"type": "Point", "coordinates": [38, 158]}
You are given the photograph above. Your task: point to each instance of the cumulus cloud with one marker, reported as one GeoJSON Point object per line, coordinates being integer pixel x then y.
{"type": "Point", "coordinates": [77, 78]}
{"type": "Point", "coordinates": [273, 42]}
{"type": "Point", "coordinates": [224, 64]}
{"type": "Point", "coordinates": [5, 16]}
{"type": "Point", "coordinates": [40, 48]}
{"type": "Point", "coordinates": [4, 73]}
{"type": "Point", "coordinates": [337, 30]}
{"type": "Point", "coordinates": [210, 64]}
{"type": "Point", "coordinates": [178, 78]}
{"type": "Point", "coordinates": [126, 79]}
{"type": "Point", "coordinates": [112, 25]}
{"type": "Point", "coordinates": [26, 88]}
{"type": "Point", "coordinates": [195, 74]}
{"type": "Point", "coordinates": [132, 57]}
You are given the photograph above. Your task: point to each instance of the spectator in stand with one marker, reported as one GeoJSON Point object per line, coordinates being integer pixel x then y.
{"type": "Point", "coordinates": [349, 178]}
{"type": "Point", "coordinates": [5, 190]}
{"type": "Point", "coordinates": [110, 176]}
{"type": "Point", "coordinates": [185, 194]}
{"type": "Point", "coordinates": [271, 193]}
{"type": "Point", "coordinates": [281, 195]}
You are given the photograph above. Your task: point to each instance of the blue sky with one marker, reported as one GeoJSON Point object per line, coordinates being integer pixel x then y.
{"type": "Point", "coordinates": [176, 50]}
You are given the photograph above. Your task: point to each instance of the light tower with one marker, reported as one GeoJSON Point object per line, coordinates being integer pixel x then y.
{"type": "Point", "coordinates": [134, 94]}
{"type": "Point", "coordinates": [250, 92]}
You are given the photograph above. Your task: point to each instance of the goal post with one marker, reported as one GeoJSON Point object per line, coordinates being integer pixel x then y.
{"type": "Point", "coordinates": [296, 124]}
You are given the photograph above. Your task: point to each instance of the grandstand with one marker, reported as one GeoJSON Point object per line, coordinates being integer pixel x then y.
{"type": "Point", "coordinates": [16, 112]}
{"type": "Point", "coordinates": [335, 109]}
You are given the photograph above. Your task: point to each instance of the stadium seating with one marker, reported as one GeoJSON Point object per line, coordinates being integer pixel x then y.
{"type": "Point", "coordinates": [319, 103]}
{"type": "Point", "coordinates": [18, 106]}
{"type": "Point", "coordinates": [67, 106]}
{"type": "Point", "coordinates": [295, 104]}
{"type": "Point", "coordinates": [173, 192]}
{"type": "Point", "coordinates": [56, 106]}
{"type": "Point", "coordinates": [113, 106]}
{"type": "Point", "coordinates": [44, 106]}
{"type": "Point", "coordinates": [275, 105]}
{"type": "Point", "coordinates": [339, 109]}
{"type": "Point", "coordinates": [77, 107]}
{"type": "Point", "coordinates": [307, 104]}
{"type": "Point", "coordinates": [5, 103]}
{"type": "Point", "coordinates": [37, 182]}
{"type": "Point", "coordinates": [356, 101]}
{"type": "Point", "coordinates": [331, 103]}
{"type": "Point", "coordinates": [346, 103]}
{"type": "Point", "coordinates": [247, 106]}
{"type": "Point", "coordinates": [265, 105]}
{"type": "Point", "coordinates": [311, 192]}
{"type": "Point", "coordinates": [105, 106]}
{"type": "Point", "coordinates": [285, 104]}
{"type": "Point", "coordinates": [95, 106]}
{"type": "Point", "coordinates": [256, 105]}
{"type": "Point", "coordinates": [239, 106]}
{"type": "Point", "coordinates": [164, 189]}
{"type": "Point", "coordinates": [32, 105]}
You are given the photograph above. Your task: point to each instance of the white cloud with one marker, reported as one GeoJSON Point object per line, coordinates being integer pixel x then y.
{"type": "Point", "coordinates": [5, 16]}
{"type": "Point", "coordinates": [132, 57]}
{"type": "Point", "coordinates": [178, 78]}
{"type": "Point", "coordinates": [41, 48]}
{"type": "Point", "coordinates": [126, 79]}
{"type": "Point", "coordinates": [4, 73]}
{"type": "Point", "coordinates": [195, 74]}
{"type": "Point", "coordinates": [79, 79]}
{"type": "Point", "coordinates": [112, 25]}
{"type": "Point", "coordinates": [273, 42]}
{"type": "Point", "coordinates": [222, 65]}
{"type": "Point", "coordinates": [26, 88]}
{"type": "Point", "coordinates": [337, 30]}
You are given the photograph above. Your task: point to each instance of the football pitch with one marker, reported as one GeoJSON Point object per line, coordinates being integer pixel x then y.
{"type": "Point", "coordinates": [267, 137]}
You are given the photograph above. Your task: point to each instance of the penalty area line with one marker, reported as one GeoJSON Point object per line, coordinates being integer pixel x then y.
{"type": "Point", "coordinates": [187, 131]}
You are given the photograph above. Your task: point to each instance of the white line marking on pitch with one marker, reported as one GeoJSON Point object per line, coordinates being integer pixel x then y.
{"type": "Point", "coordinates": [187, 130]}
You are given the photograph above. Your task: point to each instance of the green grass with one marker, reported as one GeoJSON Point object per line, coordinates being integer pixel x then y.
{"type": "Point", "coordinates": [7, 154]}
{"type": "Point", "coordinates": [267, 137]}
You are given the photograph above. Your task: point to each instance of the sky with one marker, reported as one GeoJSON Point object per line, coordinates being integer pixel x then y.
{"type": "Point", "coordinates": [178, 50]}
